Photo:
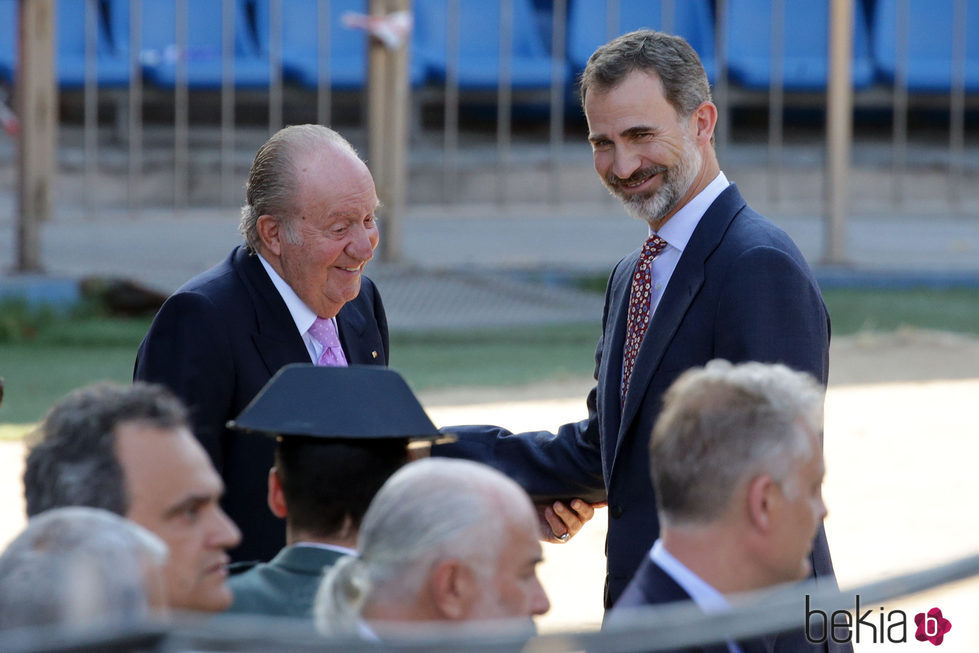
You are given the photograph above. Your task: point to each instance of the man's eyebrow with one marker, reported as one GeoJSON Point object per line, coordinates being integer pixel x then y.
{"type": "Point", "coordinates": [192, 501]}
{"type": "Point", "coordinates": [638, 130]}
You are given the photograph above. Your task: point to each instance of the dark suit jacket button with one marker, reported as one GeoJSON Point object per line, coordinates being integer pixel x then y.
{"type": "Point", "coordinates": [615, 511]}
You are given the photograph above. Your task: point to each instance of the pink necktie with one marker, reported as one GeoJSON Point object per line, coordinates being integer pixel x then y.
{"type": "Point", "coordinates": [638, 317]}
{"type": "Point", "coordinates": [325, 332]}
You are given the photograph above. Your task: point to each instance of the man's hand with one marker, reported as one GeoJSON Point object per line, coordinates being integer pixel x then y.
{"type": "Point", "coordinates": [559, 523]}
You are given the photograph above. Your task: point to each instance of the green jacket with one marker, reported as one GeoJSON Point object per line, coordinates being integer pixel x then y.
{"type": "Point", "coordinates": [284, 586]}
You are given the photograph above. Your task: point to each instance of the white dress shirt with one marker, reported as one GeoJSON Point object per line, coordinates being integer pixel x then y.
{"type": "Point", "coordinates": [302, 315]}
{"type": "Point", "coordinates": [677, 232]}
{"type": "Point", "coordinates": [701, 592]}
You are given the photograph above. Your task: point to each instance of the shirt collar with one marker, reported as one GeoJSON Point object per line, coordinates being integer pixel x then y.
{"type": "Point", "coordinates": [679, 228]}
{"type": "Point", "coordinates": [706, 597]}
{"type": "Point", "coordinates": [329, 547]}
{"type": "Point", "coordinates": [302, 315]}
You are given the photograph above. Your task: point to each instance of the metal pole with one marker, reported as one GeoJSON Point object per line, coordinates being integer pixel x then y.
{"type": "Point", "coordinates": [275, 66]}
{"type": "Point", "coordinates": [396, 139]}
{"type": "Point", "coordinates": [776, 98]}
{"type": "Point", "coordinates": [956, 131]}
{"type": "Point", "coordinates": [37, 104]}
{"type": "Point", "coordinates": [839, 129]}
{"type": "Point", "coordinates": [91, 104]}
{"type": "Point", "coordinates": [504, 101]}
{"type": "Point", "coordinates": [451, 127]}
{"type": "Point", "coordinates": [721, 97]}
{"type": "Point", "coordinates": [323, 75]}
{"type": "Point", "coordinates": [135, 106]}
{"type": "Point", "coordinates": [181, 112]}
{"type": "Point", "coordinates": [227, 102]}
{"type": "Point", "coordinates": [900, 101]}
{"type": "Point", "coordinates": [558, 69]}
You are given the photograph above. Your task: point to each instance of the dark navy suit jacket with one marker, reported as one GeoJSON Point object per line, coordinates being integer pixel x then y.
{"type": "Point", "coordinates": [215, 343]}
{"type": "Point", "coordinates": [740, 291]}
{"type": "Point", "coordinates": [653, 586]}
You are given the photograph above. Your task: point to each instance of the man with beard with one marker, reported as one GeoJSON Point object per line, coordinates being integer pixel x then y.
{"type": "Point", "coordinates": [713, 280]}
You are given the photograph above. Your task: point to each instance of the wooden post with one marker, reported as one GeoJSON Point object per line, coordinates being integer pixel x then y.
{"type": "Point", "coordinates": [37, 107]}
{"type": "Point", "coordinates": [839, 129]}
{"type": "Point", "coordinates": [387, 123]}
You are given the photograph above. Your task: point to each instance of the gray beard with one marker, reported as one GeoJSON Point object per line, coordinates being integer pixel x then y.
{"type": "Point", "coordinates": [653, 207]}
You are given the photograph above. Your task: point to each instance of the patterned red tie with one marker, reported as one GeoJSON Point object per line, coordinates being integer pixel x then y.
{"type": "Point", "coordinates": [638, 318]}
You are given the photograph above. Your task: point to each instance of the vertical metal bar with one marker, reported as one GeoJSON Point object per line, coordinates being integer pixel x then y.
{"type": "Point", "coordinates": [323, 63]}
{"type": "Point", "coordinates": [227, 102]}
{"type": "Point", "coordinates": [91, 103]}
{"type": "Point", "coordinates": [722, 133]}
{"type": "Point", "coordinates": [275, 66]}
{"type": "Point", "coordinates": [181, 110]}
{"type": "Point", "coordinates": [451, 130]}
{"type": "Point", "coordinates": [776, 99]}
{"type": "Point", "coordinates": [135, 106]}
{"type": "Point", "coordinates": [900, 101]}
{"type": "Point", "coordinates": [956, 131]}
{"type": "Point", "coordinates": [396, 142]}
{"type": "Point", "coordinates": [377, 100]}
{"type": "Point", "coordinates": [839, 128]}
{"type": "Point", "coordinates": [612, 20]}
{"type": "Point", "coordinates": [504, 101]}
{"type": "Point", "coordinates": [559, 69]}
{"type": "Point", "coordinates": [667, 16]}
{"type": "Point", "coordinates": [37, 101]}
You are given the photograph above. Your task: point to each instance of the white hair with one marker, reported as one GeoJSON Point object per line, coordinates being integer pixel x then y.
{"type": "Point", "coordinates": [78, 565]}
{"type": "Point", "coordinates": [427, 511]}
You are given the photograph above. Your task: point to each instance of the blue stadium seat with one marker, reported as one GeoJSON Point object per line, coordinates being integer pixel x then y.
{"type": "Point", "coordinates": [930, 43]}
{"type": "Point", "coordinates": [158, 51]}
{"type": "Point", "coordinates": [479, 44]}
{"type": "Point", "coordinates": [111, 69]}
{"type": "Point", "coordinates": [588, 26]}
{"type": "Point", "coordinates": [300, 47]}
{"type": "Point", "coordinates": [8, 39]}
{"type": "Point", "coordinates": [806, 44]}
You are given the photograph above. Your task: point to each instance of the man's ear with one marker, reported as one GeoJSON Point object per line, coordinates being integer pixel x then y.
{"type": "Point", "coordinates": [704, 120]}
{"type": "Point", "coordinates": [453, 589]}
{"type": "Point", "coordinates": [761, 495]}
{"type": "Point", "coordinates": [269, 233]}
{"type": "Point", "coordinates": [277, 498]}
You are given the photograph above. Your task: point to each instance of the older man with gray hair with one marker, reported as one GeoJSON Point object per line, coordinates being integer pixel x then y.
{"type": "Point", "coordinates": [443, 540]}
{"type": "Point", "coordinates": [81, 566]}
{"type": "Point", "coordinates": [736, 461]}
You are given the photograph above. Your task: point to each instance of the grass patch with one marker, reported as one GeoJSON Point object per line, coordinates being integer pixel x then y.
{"type": "Point", "coordinates": [59, 353]}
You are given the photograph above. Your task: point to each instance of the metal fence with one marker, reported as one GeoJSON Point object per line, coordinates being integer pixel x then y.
{"type": "Point", "coordinates": [182, 142]}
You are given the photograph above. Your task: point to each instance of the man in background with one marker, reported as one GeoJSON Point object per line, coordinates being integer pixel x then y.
{"type": "Point", "coordinates": [81, 566]}
{"type": "Point", "coordinates": [443, 541]}
{"type": "Point", "coordinates": [737, 465]}
{"type": "Point", "coordinates": [129, 450]}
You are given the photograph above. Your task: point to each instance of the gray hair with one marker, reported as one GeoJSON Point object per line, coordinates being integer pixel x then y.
{"type": "Point", "coordinates": [79, 566]}
{"type": "Point", "coordinates": [271, 188]}
{"type": "Point", "coordinates": [723, 424]}
{"type": "Point", "coordinates": [71, 459]}
{"type": "Point", "coordinates": [427, 511]}
{"type": "Point", "coordinates": [668, 57]}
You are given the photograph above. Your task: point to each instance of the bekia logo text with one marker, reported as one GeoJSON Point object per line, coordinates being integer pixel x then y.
{"type": "Point", "coordinates": [873, 626]}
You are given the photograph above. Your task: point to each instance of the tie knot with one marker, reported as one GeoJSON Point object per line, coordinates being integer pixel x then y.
{"type": "Point", "coordinates": [324, 331]}
{"type": "Point", "coordinates": [652, 248]}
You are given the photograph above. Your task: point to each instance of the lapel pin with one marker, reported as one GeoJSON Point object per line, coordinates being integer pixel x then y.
{"type": "Point", "coordinates": [373, 354]}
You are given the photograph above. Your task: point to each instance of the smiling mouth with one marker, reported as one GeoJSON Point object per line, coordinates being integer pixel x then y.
{"type": "Point", "coordinates": [357, 268]}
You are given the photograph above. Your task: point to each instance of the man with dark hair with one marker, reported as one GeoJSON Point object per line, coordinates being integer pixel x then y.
{"type": "Point", "coordinates": [293, 292]}
{"type": "Point", "coordinates": [341, 433]}
{"type": "Point", "coordinates": [128, 450]}
{"type": "Point", "coordinates": [714, 279]}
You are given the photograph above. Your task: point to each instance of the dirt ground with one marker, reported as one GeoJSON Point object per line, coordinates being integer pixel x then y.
{"type": "Point", "coordinates": [900, 443]}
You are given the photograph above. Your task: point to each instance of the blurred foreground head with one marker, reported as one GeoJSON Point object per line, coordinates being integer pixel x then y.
{"type": "Point", "coordinates": [443, 540]}
{"type": "Point", "coordinates": [81, 566]}
{"type": "Point", "coordinates": [128, 450]}
{"type": "Point", "coordinates": [736, 457]}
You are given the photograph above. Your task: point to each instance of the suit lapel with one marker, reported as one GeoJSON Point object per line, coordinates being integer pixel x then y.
{"type": "Point", "coordinates": [687, 279]}
{"type": "Point", "coordinates": [277, 339]}
{"type": "Point", "coordinates": [351, 323]}
{"type": "Point", "coordinates": [610, 374]}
